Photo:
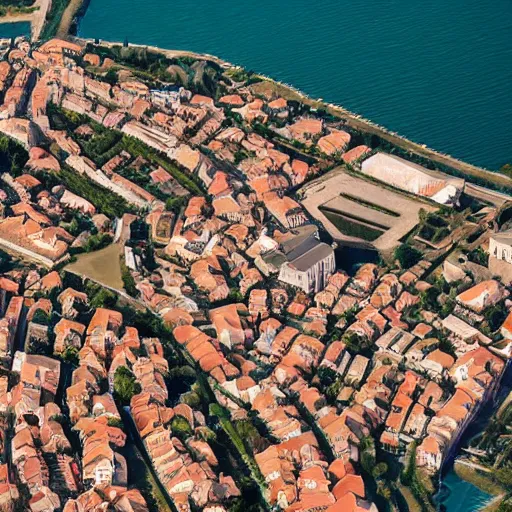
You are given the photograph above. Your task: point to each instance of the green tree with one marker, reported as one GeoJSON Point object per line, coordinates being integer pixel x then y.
{"type": "Point", "coordinates": [505, 505]}
{"type": "Point", "coordinates": [384, 490]}
{"type": "Point", "coordinates": [111, 76]}
{"type": "Point", "coordinates": [40, 317]}
{"type": "Point", "coordinates": [380, 470]}
{"type": "Point", "coordinates": [250, 435]}
{"type": "Point", "coordinates": [125, 385]}
{"type": "Point", "coordinates": [368, 461]}
{"type": "Point", "coordinates": [479, 256]}
{"type": "Point", "coordinates": [428, 299]}
{"type": "Point", "coordinates": [407, 255]}
{"type": "Point", "coordinates": [115, 422]}
{"type": "Point", "coordinates": [70, 355]}
{"type": "Point", "coordinates": [235, 295]}
{"type": "Point", "coordinates": [356, 343]}
{"type": "Point", "coordinates": [504, 476]}
{"type": "Point", "coordinates": [507, 170]}
{"type": "Point", "coordinates": [495, 316]}
{"type": "Point", "coordinates": [97, 242]}
{"type": "Point", "coordinates": [128, 280]}
{"type": "Point", "coordinates": [104, 299]}
{"type": "Point", "coordinates": [409, 473]}
{"type": "Point", "coordinates": [174, 204]}
{"type": "Point", "coordinates": [446, 346]}
{"type": "Point", "coordinates": [180, 427]}
{"type": "Point", "coordinates": [326, 375]}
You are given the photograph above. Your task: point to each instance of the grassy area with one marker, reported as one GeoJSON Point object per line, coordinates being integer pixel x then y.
{"type": "Point", "coordinates": [228, 427]}
{"type": "Point", "coordinates": [104, 200]}
{"type": "Point", "coordinates": [480, 479]}
{"type": "Point", "coordinates": [419, 484]}
{"type": "Point", "coordinates": [13, 10]}
{"type": "Point", "coordinates": [412, 502]}
{"type": "Point", "coordinates": [102, 266]}
{"type": "Point", "coordinates": [141, 478]}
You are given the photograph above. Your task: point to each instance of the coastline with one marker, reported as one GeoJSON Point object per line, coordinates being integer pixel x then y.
{"type": "Point", "coordinates": [71, 17]}
{"type": "Point", "coordinates": [478, 476]}
{"type": "Point", "coordinates": [36, 18]}
{"type": "Point", "coordinates": [17, 18]}
{"type": "Point", "coordinates": [356, 122]}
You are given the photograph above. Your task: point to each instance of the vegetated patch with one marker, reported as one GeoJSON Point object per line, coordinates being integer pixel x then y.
{"type": "Point", "coordinates": [137, 148]}
{"type": "Point", "coordinates": [13, 156]}
{"type": "Point", "coordinates": [142, 478]}
{"type": "Point", "coordinates": [104, 200]}
{"type": "Point", "coordinates": [368, 204]}
{"type": "Point", "coordinates": [199, 75]}
{"type": "Point", "coordinates": [434, 228]}
{"type": "Point", "coordinates": [53, 18]}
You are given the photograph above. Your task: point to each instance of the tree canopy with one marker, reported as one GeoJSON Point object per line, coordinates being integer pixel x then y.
{"type": "Point", "coordinates": [125, 385]}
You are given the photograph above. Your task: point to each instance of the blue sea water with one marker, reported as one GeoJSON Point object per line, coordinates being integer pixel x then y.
{"type": "Point", "coordinates": [14, 29]}
{"type": "Point", "coordinates": [461, 496]}
{"type": "Point", "coordinates": [439, 72]}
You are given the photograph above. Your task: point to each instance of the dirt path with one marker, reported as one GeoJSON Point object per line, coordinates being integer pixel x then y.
{"type": "Point", "coordinates": [67, 18]}
{"type": "Point", "coordinates": [101, 266]}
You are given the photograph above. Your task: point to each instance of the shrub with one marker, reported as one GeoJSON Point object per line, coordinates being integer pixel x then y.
{"type": "Point", "coordinates": [380, 470]}
{"type": "Point", "coordinates": [249, 433]}
{"type": "Point", "coordinates": [407, 255]}
{"type": "Point", "coordinates": [326, 375]}
{"type": "Point", "coordinates": [428, 299]}
{"type": "Point", "coordinates": [97, 242]}
{"type": "Point", "coordinates": [356, 343]}
{"type": "Point", "coordinates": [495, 316]}
{"type": "Point", "coordinates": [40, 317]}
{"type": "Point", "coordinates": [479, 256]}
{"type": "Point", "coordinates": [115, 422]}
{"type": "Point", "coordinates": [174, 204]}
{"type": "Point", "coordinates": [506, 169]}
{"type": "Point", "coordinates": [125, 385]}
{"type": "Point", "coordinates": [59, 418]}
{"type": "Point", "coordinates": [13, 156]}
{"type": "Point", "coordinates": [180, 427]}
{"type": "Point", "coordinates": [104, 200]}
{"type": "Point", "coordinates": [104, 299]}
{"type": "Point", "coordinates": [191, 399]}
{"type": "Point", "coordinates": [70, 355]}
{"type": "Point", "coordinates": [446, 346]}
{"type": "Point", "coordinates": [128, 280]}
